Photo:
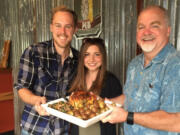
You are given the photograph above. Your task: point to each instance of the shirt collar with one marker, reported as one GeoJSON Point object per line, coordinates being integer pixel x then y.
{"type": "Point", "coordinates": [70, 53]}
{"type": "Point", "coordinates": [160, 57]}
{"type": "Point", "coordinates": [55, 52]}
{"type": "Point", "coordinates": [162, 54]}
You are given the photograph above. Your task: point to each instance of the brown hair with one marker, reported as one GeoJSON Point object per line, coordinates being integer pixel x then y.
{"type": "Point", "coordinates": [79, 82]}
{"type": "Point", "coordinates": [64, 9]}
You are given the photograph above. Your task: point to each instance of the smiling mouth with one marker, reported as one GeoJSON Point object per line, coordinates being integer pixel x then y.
{"type": "Point", "coordinates": [91, 64]}
{"type": "Point", "coordinates": [62, 37]}
{"type": "Point", "coordinates": [148, 38]}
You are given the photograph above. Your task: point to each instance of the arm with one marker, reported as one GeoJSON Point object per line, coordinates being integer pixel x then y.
{"type": "Point", "coordinates": [120, 99]}
{"type": "Point", "coordinates": [26, 77]}
{"type": "Point", "coordinates": [159, 120]}
{"type": "Point", "coordinates": [28, 97]}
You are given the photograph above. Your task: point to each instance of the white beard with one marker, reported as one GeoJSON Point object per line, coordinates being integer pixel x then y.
{"type": "Point", "coordinates": [147, 47]}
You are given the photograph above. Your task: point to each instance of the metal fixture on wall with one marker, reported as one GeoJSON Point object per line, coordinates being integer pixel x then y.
{"type": "Point", "coordinates": [89, 18]}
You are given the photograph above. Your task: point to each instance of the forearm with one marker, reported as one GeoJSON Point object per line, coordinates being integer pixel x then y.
{"type": "Point", "coordinates": [120, 99]}
{"type": "Point", "coordinates": [159, 120]}
{"type": "Point", "coordinates": [28, 97]}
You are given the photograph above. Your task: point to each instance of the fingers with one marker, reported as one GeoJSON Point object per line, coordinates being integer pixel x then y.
{"type": "Point", "coordinates": [107, 99]}
{"type": "Point", "coordinates": [110, 106]}
{"type": "Point", "coordinates": [41, 110]}
{"type": "Point", "coordinates": [40, 100]}
{"type": "Point", "coordinates": [116, 116]}
{"type": "Point", "coordinates": [106, 119]}
{"type": "Point", "coordinates": [43, 100]}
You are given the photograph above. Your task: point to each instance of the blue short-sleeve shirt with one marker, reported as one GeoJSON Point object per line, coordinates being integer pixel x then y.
{"type": "Point", "coordinates": [154, 87]}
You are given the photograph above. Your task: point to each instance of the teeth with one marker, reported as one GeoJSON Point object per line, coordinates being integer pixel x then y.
{"type": "Point", "coordinates": [91, 64]}
{"type": "Point", "coordinates": [147, 38]}
{"type": "Point", "coordinates": [62, 37]}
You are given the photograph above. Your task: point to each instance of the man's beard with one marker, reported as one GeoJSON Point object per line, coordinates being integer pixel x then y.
{"type": "Point", "coordinates": [147, 47]}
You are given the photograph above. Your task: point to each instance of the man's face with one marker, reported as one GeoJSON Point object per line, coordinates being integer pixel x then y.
{"type": "Point", "coordinates": [152, 31]}
{"type": "Point", "coordinates": [62, 28]}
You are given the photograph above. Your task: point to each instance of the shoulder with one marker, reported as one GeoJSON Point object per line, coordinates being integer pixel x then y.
{"type": "Point", "coordinates": [172, 62]}
{"type": "Point", "coordinates": [39, 47]}
{"type": "Point", "coordinates": [173, 57]}
{"type": "Point", "coordinates": [75, 53]}
{"type": "Point", "coordinates": [137, 59]}
{"type": "Point", "coordinates": [110, 77]}
{"type": "Point", "coordinates": [112, 86]}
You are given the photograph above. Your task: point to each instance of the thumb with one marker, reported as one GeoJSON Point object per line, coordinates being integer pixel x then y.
{"type": "Point", "coordinates": [111, 107]}
{"type": "Point", "coordinates": [43, 100]}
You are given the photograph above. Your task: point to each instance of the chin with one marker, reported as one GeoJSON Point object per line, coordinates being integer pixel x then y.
{"type": "Point", "coordinates": [147, 47]}
{"type": "Point", "coordinates": [93, 69]}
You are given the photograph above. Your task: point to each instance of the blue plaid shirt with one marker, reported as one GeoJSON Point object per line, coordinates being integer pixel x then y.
{"type": "Point", "coordinates": [154, 87]}
{"type": "Point", "coordinates": [41, 72]}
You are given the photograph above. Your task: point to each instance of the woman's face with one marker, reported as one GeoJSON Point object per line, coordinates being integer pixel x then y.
{"type": "Point", "coordinates": [93, 58]}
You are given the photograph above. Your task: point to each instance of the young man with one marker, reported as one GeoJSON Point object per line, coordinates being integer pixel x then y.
{"type": "Point", "coordinates": [46, 70]}
{"type": "Point", "coordinates": [151, 93]}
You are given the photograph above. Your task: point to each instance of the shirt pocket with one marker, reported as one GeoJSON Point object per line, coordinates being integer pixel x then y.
{"type": "Point", "coordinates": [152, 96]}
{"type": "Point", "coordinates": [48, 83]}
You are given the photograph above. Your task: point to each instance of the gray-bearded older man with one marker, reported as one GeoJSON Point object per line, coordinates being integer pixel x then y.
{"type": "Point", "coordinates": [151, 97]}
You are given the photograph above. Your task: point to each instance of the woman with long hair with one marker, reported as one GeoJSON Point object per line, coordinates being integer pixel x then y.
{"type": "Point", "coordinates": [93, 76]}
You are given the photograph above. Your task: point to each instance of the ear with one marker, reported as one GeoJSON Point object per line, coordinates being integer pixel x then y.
{"type": "Point", "coordinates": [168, 31]}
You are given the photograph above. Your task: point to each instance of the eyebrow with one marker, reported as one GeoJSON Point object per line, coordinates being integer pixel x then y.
{"type": "Point", "coordinates": [155, 22]}
{"type": "Point", "coordinates": [57, 23]}
{"type": "Point", "coordinates": [152, 23]}
{"type": "Point", "coordinates": [139, 24]}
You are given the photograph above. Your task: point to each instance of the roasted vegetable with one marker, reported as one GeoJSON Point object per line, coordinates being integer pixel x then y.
{"type": "Point", "coordinates": [81, 104]}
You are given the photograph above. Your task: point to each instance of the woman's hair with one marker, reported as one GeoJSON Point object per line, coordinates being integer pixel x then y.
{"type": "Point", "coordinates": [79, 82]}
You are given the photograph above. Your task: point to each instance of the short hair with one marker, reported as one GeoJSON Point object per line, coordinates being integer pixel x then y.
{"type": "Point", "coordinates": [162, 9]}
{"type": "Point", "coordinates": [64, 9]}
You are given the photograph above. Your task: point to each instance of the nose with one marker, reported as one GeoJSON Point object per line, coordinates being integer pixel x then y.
{"type": "Point", "coordinates": [62, 30]}
{"type": "Point", "coordinates": [147, 31]}
{"type": "Point", "coordinates": [92, 58]}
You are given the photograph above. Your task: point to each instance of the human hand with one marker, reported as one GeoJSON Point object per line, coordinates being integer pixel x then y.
{"type": "Point", "coordinates": [117, 115]}
{"type": "Point", "coordinates": [107, 99]}
{"type": "Point", "coordinates": [39, 108]}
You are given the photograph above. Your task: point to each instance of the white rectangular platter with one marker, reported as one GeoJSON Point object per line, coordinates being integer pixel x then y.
{"type": "Point", "coordinates": [73, 119]}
